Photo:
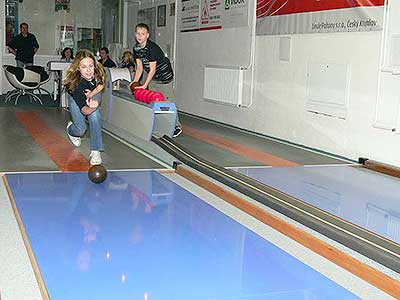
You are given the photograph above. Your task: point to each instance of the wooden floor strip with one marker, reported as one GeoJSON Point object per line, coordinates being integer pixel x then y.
{"type": "Point", "coordinates": [382, 168]}
{"type": "Point", "coordinates": [57, 147]}
{"type": "Point", "coordinates": [362, 270]}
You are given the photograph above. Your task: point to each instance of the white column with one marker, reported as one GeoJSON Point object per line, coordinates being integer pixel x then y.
{"type": "Point", "coordinates": [125, 24]}
{"type": "Point", "coordinates": [2, 39]}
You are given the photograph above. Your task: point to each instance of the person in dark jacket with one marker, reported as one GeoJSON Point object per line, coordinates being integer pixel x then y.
{"type": "Point", "coordinates": [105, 60]}
{"type": "Point", "coordinates": [24, 46]}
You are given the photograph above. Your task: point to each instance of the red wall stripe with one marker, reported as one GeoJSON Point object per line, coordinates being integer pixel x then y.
{"type": "Point", "coordinates": [284, 7]}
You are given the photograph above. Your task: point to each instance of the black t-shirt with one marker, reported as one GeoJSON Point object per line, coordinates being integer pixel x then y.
{"type": "Point", "coordinates": [79, 93]}
{"type": "Point", "coordinates": [24, 47]}
{"type": "Point", "coordinates": [109, 63]}
{"type": "Point", "coordinates": [150, 53]}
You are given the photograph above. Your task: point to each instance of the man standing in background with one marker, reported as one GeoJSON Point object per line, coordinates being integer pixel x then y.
{"type": "Point", "coordinates": [24, 46]}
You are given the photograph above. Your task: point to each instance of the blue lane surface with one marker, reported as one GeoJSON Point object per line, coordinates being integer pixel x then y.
{"type": "Point", "coordinates": [358, 195]}
{"type": "Point", "coordinates": [140, 236]}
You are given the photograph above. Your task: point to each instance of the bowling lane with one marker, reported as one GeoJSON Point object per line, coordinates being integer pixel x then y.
{"type": "Point", "coordinates": [358, 195]}
{"type": "Point", "coordinates": [214, 154]}
{"type": "Point", "coordinates": [252, 148]}
{"type": "Point", "coordinates": [140, 235]}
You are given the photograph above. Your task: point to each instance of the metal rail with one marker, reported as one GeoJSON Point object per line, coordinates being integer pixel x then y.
{"type": "Point", "coordinates": [376, 247]}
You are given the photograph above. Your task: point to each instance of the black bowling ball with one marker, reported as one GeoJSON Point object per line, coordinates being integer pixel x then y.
{"type": "Point", "coordinates": [97, 174]}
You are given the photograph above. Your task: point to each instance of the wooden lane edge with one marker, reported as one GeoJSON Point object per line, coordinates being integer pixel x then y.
{"type": "Point", "coordinates": [42, 286]}
{"type": "Point", "coordinates": [166, 171]}
{"type": "Point", "coordinates": [351, 264]}
{"type": "Point", "coordinates": [382, 168]}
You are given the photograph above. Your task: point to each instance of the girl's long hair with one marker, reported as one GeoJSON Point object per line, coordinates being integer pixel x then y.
{"type": "Point", "coordinates": [73, 77]}
{"type": "Point", "coordinates": [128, 60]}
{"type": "Point", "coordinates": [127, 57]}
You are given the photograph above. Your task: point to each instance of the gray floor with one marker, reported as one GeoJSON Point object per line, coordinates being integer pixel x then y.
{"type": "Point", "coordinates": [20, 153]}
{"type": "Point", "coordinates": [271, 146]}
{"type": "Point", "coordinates": [215, 154]}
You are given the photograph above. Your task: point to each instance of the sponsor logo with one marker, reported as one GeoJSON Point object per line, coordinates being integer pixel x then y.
{"type": "Point", "coordinates": [229, 3]}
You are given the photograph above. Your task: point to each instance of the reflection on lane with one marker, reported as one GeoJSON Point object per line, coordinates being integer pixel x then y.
{"type": "Point", "coordinates": [140, 236]}
{"type": "Point", "coordinates": [358, 195]}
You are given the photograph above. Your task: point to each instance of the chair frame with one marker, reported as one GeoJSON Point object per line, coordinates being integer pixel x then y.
{"type": "Point", "coordinates": [20, 89]}
{"type": "Point", "coordinates": [40, 89]}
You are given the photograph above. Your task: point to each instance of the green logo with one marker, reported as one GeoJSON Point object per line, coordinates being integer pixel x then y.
{"type": "Point", "coordinates": [227, 4]}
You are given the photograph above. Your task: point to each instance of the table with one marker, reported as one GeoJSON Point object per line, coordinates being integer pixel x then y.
{"type": "Point", "coordinates": [60, 67]}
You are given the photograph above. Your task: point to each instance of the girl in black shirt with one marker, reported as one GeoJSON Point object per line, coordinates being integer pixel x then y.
{"type": "Point", "coordinates": [84, 81]}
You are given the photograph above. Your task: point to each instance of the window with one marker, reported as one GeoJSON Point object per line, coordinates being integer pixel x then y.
{"type": "Point", "coordinates": [11, 20]}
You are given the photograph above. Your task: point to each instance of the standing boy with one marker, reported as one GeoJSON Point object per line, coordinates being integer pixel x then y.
{"type": "Point", "coordinates": [150, 57]}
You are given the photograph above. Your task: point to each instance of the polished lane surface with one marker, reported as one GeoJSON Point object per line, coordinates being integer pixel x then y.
{"type": "Point", "coordinates": [358, 195]}
{"type": "Point", "coordinates": [138, 235]}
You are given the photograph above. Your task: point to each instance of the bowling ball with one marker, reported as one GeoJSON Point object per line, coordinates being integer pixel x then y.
{"type": "Point", "coordinates": [97, 174]}
{"type": "Point", "coordinates": [139, 94]}
{"type": "Point", "coordinates": [145, 96]}
{"type": "Point", "coordinates": [158, 97]}
{"type": "Point", "coordinates": [134, 85]}
{"type": "Point", "coordinates": [136, 94]}
{"type": "Point", "coordinates": [150, 97]}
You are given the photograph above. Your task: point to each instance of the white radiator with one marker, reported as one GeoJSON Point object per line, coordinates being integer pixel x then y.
{"type": "Point", "coordinates": [223, 85]}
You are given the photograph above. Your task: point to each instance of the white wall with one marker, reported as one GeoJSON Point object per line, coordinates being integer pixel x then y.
{"type": "Point", "coordinates": [227, 47]}
{"type": "Point", "coordinates": [131, 22]}
{"type": "Point", "coordinates": [164, 35]}
{"type": "Point", "coordinates": [43, 19]}
{"type": "Point", "coordinates": [281, 88]}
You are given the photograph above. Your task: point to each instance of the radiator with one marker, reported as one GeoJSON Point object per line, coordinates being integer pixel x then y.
{"type": "Point", "coordinates": [223, 85]}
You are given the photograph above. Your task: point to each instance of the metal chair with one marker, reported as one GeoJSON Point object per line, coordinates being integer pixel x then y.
{"type": "Point", "coordinates": [24, 82]}
{"type": "Point", "coordinates": [44, 77]}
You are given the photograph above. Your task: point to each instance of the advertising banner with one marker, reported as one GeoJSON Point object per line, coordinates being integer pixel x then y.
{"type": "Point", "coordinates": [197, 15]}
{"type": "Point", "coordinates": [310, 16]}
{"type": "Point", "coordinates": [189, 17]}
